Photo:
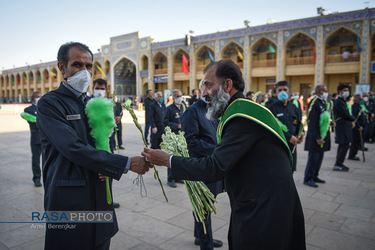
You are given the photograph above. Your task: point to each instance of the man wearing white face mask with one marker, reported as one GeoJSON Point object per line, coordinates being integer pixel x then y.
{"type": "Point", "coordinates": [172, 119]}
{"type": "Point", "coordinates": [344, 125]}
{"type": "Point", "coordinates": [71, 163]}
{"type": "Point", "coordinates": [34, 138]}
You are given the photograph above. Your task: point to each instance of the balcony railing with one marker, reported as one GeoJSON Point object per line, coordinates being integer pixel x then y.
{"type": "Point", "coordinates": [160, 71]}
{"type": "Point", "coordinates": [341, 58]}
{"type": "Point", "coordinates": [263, 63]}
{"type": "Point", "coordinates": [300, 60]}
{"type": "Point", "coordinates": [178, 70]}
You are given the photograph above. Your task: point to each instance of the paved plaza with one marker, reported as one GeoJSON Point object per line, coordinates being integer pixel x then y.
{"type": "Point", "coordinates": [339, 214]}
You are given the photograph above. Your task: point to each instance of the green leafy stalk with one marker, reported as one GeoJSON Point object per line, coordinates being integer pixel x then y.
{"type": "Point", "coordinates": [201, 198]}
{"type": "Point", "coordinates": [256, 95]}
{"type": "Point", "coordinates": [136, 123]}
{"type": "Point", "coordinates": [28, 117]}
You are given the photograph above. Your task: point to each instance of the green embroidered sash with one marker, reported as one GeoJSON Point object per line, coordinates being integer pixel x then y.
{"type": "Point", "coordinates": [253, 111]}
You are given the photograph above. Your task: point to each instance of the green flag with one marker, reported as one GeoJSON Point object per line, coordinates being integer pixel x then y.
{"type": "Point", "coordinates": [271, 48]}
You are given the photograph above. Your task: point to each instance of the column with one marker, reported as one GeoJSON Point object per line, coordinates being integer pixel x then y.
{"type": "Point", "coordinates": [320, 59]}
{"type": "Point", "coordinates": [280, 54]}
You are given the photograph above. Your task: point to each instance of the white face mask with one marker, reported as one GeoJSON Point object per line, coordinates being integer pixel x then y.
{"type": "Point", "coordinates": [325, 96]}
{"type": "Point", "coordinates": [99, 92]}
{"type": "Point", "coordinates": [345, 94]}
{"type": "Point", "coordinates": [365, 99]}
{"type": "Point", "coordinates": [80, 81]}
{"type": "Point", "coordinates": [295, 97]}
{"type": "Point", "coordinates": [178, 100]}
{"type": "Point", "coordinates": [36, 100]}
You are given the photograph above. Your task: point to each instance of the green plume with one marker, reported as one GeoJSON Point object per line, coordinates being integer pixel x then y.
{"type": "Point", "coordinates": [282, 125]}
{"type": "Point", "coordinates": [28, 117]}
{"type": "Point", "coordinates": [100, 118]}
{"type": "Point", "coordinates": [349, 108]}
{"type": "Point", "coordinates": [324, 123]}
{"type": "Point", "coordinates": [99, 112]}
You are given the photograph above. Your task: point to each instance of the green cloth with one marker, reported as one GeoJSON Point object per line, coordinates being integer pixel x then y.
{"type": "Point", "coordinates": [28, 117]}
{"type": "Point", "coordinates": [253, 111]}
{"type": "Point", "coordinates": [128, 102]}
{"type": "Point", "coordinates": [349, 108]}
{"type": "Point", "coordinates": [295, 102]}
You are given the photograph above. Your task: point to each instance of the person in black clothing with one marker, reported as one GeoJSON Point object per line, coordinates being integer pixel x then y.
{"type": "Point", "coordinates": [370, 121]}
{"type": "Point", "coordinates": [194, 97]}
{"type": "Point", "coordinates": [172, 119]}
{"type": "Point", "coordinates": [344, 125]}
{"type": "Point", "coordinates": [157, 111]}
{"type": "Point", "coordinates": [358, 130]}
{"type": "Point", "coordinates": [148, 103]}
{"type": "Point", "coordinates": [266, 212]}
{"type": "Point", "coordinates": [314, 143]}
{"type": "Point", "coordinates": [272, 99]}
{"type": "Point", "coordinates": [289, 115]}
{"type": "Point", "coordinates": [35, 145]}
{"type": "Point", "coordinates": [200, 134]}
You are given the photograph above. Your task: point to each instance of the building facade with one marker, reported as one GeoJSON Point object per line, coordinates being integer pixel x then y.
{"type": "Point", "coordinates": [331, 49]}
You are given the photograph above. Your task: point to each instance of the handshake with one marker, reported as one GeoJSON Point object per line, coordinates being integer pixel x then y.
{"type": "Point", "coordinates": [151, 157]}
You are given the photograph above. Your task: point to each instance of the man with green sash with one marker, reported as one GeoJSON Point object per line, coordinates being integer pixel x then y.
{"type": "Point", "coordinates": [253, 156]}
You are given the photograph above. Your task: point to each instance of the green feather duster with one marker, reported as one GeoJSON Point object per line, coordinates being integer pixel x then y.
{"type": "Point", "coordinates": [99, 112]}
{"type": "Point", "coordinates": [324, 124]}
{"type": "Point", "coordinates": [282, 125]}
{"type": "Point", "coordinates": [28, 117]}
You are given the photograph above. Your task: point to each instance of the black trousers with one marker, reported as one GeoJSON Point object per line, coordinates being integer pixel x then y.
{"type": "Point", "coordinates": [342, 149]}
{"type": "Point", "coordinates": [354, 147]}
{"type": "Point", "coordinates": [314, 162]}
{"type": "Point", "coordinates": [119, 134]}
{"type": "Point", "coordinates": [36, 150]}
{"type": "Point", "coordinates": [205, 240]}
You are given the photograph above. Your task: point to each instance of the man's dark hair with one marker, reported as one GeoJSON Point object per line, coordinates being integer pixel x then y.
{"type": "Point", "coordinates": [62, 55]}
{"type": "Point", "coordinates": [228, 69]}
{"type": "Point", "coordinates": [282, 83]}
{"type": "Point", "coordinates": [341, 87]}
{"type": "Point", "coordinates": [334, 95]}
{"type": "Point", "coordinates": [32, 96]}
{"type": "Point", "coordinates": [192, 92]}
{"type": "Point", "coordinates": [148, 91]}
{"type": "Point", "coordinates": [249, 93]}
{"type": "Point", "coordinates": [100, 82]}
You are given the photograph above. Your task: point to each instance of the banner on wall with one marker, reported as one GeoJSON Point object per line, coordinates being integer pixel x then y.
{"type": "Point", "coordinates": [362, 88]}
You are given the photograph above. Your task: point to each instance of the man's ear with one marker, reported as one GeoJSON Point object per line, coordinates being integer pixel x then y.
{"type": "Point", "coordinates": [228, 85]}
{"type": "Point", "coordinates": [61, 67]}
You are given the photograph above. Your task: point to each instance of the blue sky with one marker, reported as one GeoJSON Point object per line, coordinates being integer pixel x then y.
{"type": "Point", "coordinates": [33, 30]}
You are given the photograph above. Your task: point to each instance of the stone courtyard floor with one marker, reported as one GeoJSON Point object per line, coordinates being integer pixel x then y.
{"type": "Point", "coordinates": [339, 214]}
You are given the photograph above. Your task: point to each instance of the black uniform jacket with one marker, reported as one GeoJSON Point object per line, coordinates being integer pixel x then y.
{"type": "Point", "coordinates": [289, 116]}
{"type": "Point", "coordinates": [148, 103]}
{"type": "Point", "coordinates": [173, 116]}
{"type": "Point", "coordinates": [361, 122]}
{"type": "Point", "coordinates": [200, 134]}
{"type": "Point", "coordinates": [34, 130]}
{"type": "Point", "coordinates": [343, 121]}
{"type": "Point", "coordinates": [313, 133]}
{"type": "Point", "coordinates": [70, 170]}
{"type": "Point", "coordinates": [266, 210]}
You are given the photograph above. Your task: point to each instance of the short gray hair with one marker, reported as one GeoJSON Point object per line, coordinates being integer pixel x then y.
{"type": "Point", "coordinates": [158, 93]}
{"type": "Point", "coordinates": [32, 96]}
{"type": "Point", "coordinates": [356, 97]}
{"type": "Point", "coordinates": [174, 92]}
{"type": "Point", "coordinates": [319, 88]}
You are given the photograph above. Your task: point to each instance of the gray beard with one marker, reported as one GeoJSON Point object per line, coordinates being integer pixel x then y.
{"type": "Point", "coordinates": [218, 104]}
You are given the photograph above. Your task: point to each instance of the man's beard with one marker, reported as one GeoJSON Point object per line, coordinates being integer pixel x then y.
{"type": "Point", "coordinates": [218, 104]}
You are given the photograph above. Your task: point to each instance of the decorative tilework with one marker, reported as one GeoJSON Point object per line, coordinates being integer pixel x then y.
{"type": "Point", "coordinates": [211, 45]}
{"type": "Point", "coordinates": [354, 26]}
{"type": "Point", "coordinates": [319, 54]}
{"type": "Point", "coordinates": [271, 36]}
{"type": "Point", "coordinates": [372, 28]}
{"type": "Point", "coordinates": [364, 42]}
{"type": "Point", "coordinates": [164, 51]}
{"type": "Point", "coordinates": [175, 49]}
{"type": "Point", "coordinates": [246, 65]}
{"type": "Point", "coordinates": [309, 31]}
{"type": "Point", "coordinates": [238, 40]}
{"type": "Point", "coordinates": [280, 51]}
{"type": "Point", "coordinates": [217, 50]}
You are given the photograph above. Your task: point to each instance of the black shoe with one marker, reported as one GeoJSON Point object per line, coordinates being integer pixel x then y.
{"type": "Point", "coordinates": [116, 205]}
{"type": "Point", "coordinates": [355, 158]}
{"type": "Point", "coordinates": [37, 183]}
{"type": "Point", "coordinates": [364, 149]}
{"type": "Point", "coordinates": [121, 147]}
{"type": "Point", "coordinates": [310, 183]}
{"type": "Point", "coordinates": [341, 168]}
{"type": "Point", "coordinates": [216, 243]}
{"type": "Point", "coordinates": [179, 181]}
{"type": "Point", "coordinates": [172, 184]}
{"type": "Point", "coordinates": [317, 180]}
